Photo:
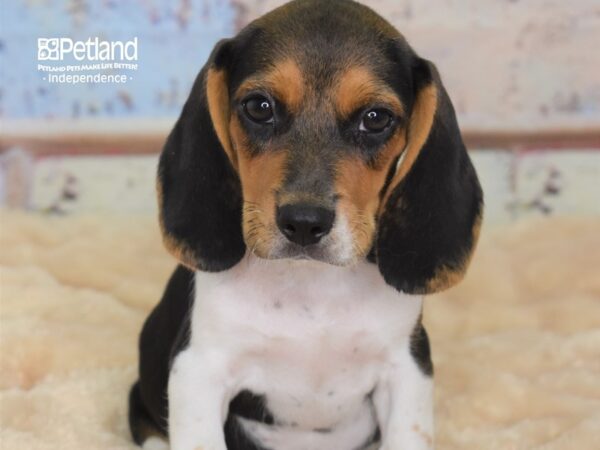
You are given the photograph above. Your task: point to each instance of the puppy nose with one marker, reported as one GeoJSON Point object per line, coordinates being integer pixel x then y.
{"type": "Point", "coordinates": [304, 224]}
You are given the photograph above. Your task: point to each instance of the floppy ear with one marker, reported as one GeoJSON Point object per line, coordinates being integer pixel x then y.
{"type": "Point", "coordinates": [431, 209]}
{"type": "Point", "coordinates": [199, 193]}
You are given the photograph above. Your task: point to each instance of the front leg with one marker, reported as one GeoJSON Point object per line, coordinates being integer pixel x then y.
{"type": "Point", "coordinates": [404, 398]}
{"type": "Point", "coordinates": [199, 395]}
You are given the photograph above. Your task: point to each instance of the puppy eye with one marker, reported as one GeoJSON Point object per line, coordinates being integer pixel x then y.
{"type": "Point", "coordinates": [259, 109]}
{"type": "Point", "coordinates": [375, 121]}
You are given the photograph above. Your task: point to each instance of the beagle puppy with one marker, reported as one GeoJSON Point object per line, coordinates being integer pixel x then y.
{"type": "Point", "coordinates": [315, 187]}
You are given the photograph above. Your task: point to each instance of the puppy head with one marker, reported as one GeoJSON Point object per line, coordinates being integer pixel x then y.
{"type": "Point", "coordinates": [318, 133]}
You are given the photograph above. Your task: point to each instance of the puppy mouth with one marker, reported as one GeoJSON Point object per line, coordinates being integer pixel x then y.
{"type": "Point", "coordinates": [325, 252]}
{"type": "Point", "coordinates": [316, 252]}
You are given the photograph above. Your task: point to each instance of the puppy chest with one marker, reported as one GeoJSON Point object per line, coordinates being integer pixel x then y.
{"type": "Point", "coordinates": [313, 342]}
{"type": "Point", "coordinates": [312, 376]}
{"type": "Point", "coordinates": [314, 381]}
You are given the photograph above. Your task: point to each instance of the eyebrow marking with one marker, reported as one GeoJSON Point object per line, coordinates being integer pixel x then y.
{"type": "Point", "coordinates": [284, 79]}
{"type": "Point", "coordinates": [358, 87]}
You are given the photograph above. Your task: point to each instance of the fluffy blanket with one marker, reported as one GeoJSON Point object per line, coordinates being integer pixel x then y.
{"type": "Point", "coordinates": [516, 346]}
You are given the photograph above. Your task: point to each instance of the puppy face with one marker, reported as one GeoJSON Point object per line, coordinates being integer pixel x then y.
{"type": "Point", "coordinates": [314, 129]}
{"type": "Point", "coordinates": [318, 133]}
{"type": "Point", "coordinates": [312, 158]}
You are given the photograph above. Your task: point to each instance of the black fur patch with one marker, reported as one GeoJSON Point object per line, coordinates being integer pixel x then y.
{"type": "Point", "coordinates": [164, 333]}
{"type": "Point", "coordinates": [420, 350]}
{"type": "Point", "coordinates": [251, 406]}
{"type": "Point", "coordinates": [429, 220]}
{"type": "Point", "coordinates": [201, 195]}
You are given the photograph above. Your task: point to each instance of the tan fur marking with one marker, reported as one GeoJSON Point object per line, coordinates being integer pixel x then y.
{"type": "Point", "coordinates": [358, 87]}
{"type": "Point", "coordinates": [284, 79]}
{"type": "Point", "coordinates": [180, 251]}
{"type": "Point", "coordinates": [419, 128]}
{"type": "Point", "coordinates": [359, 201]}
{"type": "Point", "coordinates": [261, 175]}
{"type": "Point", "coordinates": [218, 106]}
{"type": "Point", "coordinates": [445, 278]}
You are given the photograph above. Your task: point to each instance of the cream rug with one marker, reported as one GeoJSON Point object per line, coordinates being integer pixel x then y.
{"type": "Point", "coordinates": [516, 346]}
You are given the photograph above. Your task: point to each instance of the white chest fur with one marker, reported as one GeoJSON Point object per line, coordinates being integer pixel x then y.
{"type": "Point", "coordinates": [313, 338]}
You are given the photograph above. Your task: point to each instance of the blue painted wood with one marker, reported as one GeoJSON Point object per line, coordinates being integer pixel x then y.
{"type": "Point", "coordinates": [174, 40]}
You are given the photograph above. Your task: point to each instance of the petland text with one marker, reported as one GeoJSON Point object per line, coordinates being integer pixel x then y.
{"type": "Point", "coordinates": [55, 49]}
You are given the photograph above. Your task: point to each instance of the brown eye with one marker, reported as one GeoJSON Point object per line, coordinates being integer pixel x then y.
{"type": "Point", "coordinates": [259, 109]}
{"type": "Point", "coordinates": [375, 121]}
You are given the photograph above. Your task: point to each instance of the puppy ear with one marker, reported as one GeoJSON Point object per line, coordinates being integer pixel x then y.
{"type": "Point", "coordinates": [199, 193]}
{"type": "Point", "coordinates": [431, 208]}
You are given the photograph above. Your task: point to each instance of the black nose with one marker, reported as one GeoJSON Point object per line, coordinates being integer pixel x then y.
{"type": "Point", "coordinates": [304, 224]}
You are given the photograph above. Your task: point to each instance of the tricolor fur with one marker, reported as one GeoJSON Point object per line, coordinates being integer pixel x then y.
{"type": "Point", "coordinates": [306, 241]}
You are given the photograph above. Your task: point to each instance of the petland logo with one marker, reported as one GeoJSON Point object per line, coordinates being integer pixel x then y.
{"type": "Point", "coordinates": [55, 49]}
{"type": "Point", "coordinates": [70, 62]}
